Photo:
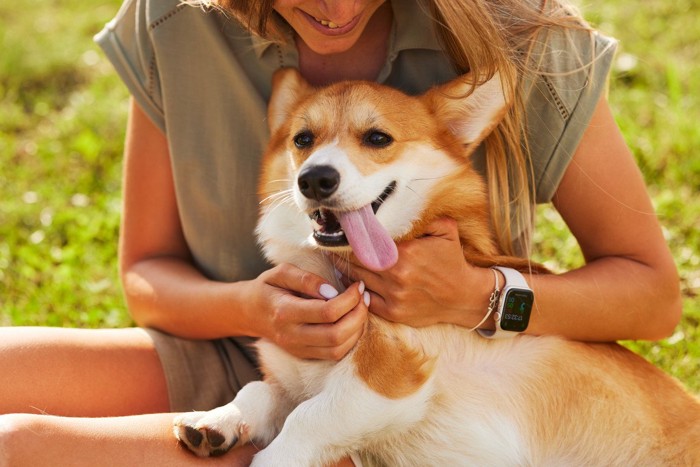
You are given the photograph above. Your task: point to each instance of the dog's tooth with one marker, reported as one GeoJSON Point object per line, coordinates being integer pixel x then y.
{"type": "Point", "coordinates": [316, 220]}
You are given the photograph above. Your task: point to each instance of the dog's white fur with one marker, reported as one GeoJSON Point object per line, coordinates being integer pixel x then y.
{"type": "Point", "coordinates": [438, 395]}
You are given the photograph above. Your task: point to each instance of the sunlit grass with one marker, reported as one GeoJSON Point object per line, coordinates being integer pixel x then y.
{"type": "Point", "coordinates": [62, 113]}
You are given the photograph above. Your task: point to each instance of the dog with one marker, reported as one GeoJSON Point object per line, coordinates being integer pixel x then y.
{"type": "Point", "coordinates": [358, 166]}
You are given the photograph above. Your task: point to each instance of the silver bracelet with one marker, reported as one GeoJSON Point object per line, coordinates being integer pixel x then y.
{"type": "Point", "coordinates": [493, 299]}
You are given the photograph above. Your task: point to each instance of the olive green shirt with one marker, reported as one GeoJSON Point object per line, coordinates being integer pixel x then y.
{"type": "Point", "coordinates": [205, 82]}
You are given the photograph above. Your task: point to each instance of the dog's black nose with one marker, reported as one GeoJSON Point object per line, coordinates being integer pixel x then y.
{"type": "Point", "coordinates": [318, 181]}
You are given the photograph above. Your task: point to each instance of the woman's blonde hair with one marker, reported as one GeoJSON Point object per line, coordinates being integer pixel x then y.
{"type": "Point", "coordinates": [481, 37]}
{"type": "Point", "coordinates": [486, 36]}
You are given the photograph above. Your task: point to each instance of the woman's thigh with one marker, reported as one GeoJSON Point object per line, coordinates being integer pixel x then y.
{"type": "Point", "coordinates": [80, 372]}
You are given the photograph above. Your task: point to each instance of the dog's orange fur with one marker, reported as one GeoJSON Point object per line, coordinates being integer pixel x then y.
{"type": "Point", "coordinates": [381, 356]}
{"type": "Point", "coordinates": [437, 395]}
{"type": "Point", "coordinates": [610, 382]}
{"type": "Point", "coordinates": [389, 365]}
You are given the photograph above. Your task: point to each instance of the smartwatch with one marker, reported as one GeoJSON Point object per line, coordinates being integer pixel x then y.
{"type": "Point", "coordinates": [512, 314]}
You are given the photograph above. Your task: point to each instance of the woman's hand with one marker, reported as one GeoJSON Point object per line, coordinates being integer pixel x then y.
{"type": "Point", "coordinates": [305, 315]}
{"type": "Point", "coordinates": [431, 282]}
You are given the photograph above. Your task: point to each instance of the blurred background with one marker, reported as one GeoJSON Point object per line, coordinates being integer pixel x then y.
{"type": "Point", "coordinates": [62, 121]}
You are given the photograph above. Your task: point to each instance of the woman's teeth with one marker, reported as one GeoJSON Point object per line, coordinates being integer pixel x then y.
{"type": "Point", "coordinates": [328, 24]}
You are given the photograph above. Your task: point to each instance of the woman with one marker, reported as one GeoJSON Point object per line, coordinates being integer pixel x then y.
{"type": "Point", "coordinates": [193, 276]}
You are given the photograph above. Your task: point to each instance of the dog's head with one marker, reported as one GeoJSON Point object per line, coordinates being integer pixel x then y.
{"type": "Point", "coordinates": [358, 165]}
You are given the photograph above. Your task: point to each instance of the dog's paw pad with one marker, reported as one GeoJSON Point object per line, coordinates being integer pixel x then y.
{"type": "Point", "coordinates": [215, 438]}
{"type": "Point", "coordinates": [193, 436]}
{"type": "Point", "coordinates": [204, 439]}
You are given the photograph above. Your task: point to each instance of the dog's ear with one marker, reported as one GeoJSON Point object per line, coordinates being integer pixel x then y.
{"type": "Point", "coordinates": [288, 87]}
{"type": "Point", "coordinates": [469, 115]}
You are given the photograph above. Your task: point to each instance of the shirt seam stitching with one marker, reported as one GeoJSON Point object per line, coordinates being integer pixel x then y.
{"type": "Point", "coordinates": [167, 16]}
{"type": "Point", "coordinates": [561, 107]}
{"type": "Point", "coordinates": [152, 64]}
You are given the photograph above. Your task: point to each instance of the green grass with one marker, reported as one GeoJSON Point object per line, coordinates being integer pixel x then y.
{"type": "Point", "coordinates": [62, 114]}
{"type": "Point", "coordinates": [62, 118]}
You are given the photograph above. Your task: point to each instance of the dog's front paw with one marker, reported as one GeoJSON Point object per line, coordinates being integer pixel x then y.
{"type": "Point", "coordinates": [211, 433]}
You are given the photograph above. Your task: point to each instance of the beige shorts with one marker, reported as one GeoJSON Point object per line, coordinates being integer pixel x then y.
{"type": "Point", "coordinates": [204, 374]}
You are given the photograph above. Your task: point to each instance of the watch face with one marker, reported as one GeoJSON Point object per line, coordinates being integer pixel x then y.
{"type": "Point", "coordinates": [517, 306]}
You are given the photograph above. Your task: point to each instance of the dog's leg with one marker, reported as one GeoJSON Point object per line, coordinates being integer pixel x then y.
{"type": "Point", "coordinates": [255, 415]}
{"type": "Point", "coordinates": [340, 420]}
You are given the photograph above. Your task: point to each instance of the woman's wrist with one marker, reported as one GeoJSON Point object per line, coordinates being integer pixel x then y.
{"type": "Point", "coordinates": [499, 281]}
{"type": "Point", "coordinates": [479, 287]}
{"type": "Point", "coordinates": [246, 316]}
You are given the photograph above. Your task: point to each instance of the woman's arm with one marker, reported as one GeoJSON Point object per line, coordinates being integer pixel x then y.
{"type": "Point", "coordinates": [165, 291]}
{"type": "Point", "coordinates": [628, 288]}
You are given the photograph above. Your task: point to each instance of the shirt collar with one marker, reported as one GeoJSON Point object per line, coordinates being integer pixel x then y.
{"type": "Point", "coordinates": [261, 45]}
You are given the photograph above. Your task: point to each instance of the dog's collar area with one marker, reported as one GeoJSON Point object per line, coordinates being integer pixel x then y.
{"type": "Point", "coordinates": [327, 229]}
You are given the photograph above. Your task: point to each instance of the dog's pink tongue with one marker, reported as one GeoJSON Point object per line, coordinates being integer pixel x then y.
{"type": "Point", "coordinates": [369, 239]}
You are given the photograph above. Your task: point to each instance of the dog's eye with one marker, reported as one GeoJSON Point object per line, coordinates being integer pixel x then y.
{"type": "Point", "coordinates": [378, 139]}
{"type": "Point", "coordinates": [304, 139]}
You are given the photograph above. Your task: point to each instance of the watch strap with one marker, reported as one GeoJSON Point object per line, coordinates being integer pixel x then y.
{"type": "Point", "coordinates": [513, 279]}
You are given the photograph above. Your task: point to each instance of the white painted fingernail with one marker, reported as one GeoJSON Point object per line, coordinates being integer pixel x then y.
{"type": "Point", "coordinates": [362, 287]}
{"type": "Point", "coordinates": [327, 291]}
{"type": "Point", "coordinates": [338, 274]}
{"type": "Point", "coordinates": [365, 296]}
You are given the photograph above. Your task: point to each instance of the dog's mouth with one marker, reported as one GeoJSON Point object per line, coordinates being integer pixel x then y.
{"type": "Point", "coordinates": [360, 230]}
{"type": "Point", "coordinates": [327, 229]}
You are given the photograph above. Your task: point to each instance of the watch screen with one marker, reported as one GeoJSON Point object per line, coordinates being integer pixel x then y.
{"type": "Point", "coordinates": [516, 310]}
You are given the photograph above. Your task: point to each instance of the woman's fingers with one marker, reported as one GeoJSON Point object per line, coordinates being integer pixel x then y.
{"type": "Point", "coordinates": [303, 283]}
{"type": "Point", "coordinates": [332, 342]}
{"type": "Point", "coordinates": [317, 328]}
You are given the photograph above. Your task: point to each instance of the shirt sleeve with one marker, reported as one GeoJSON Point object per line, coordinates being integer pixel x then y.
{"type": "Point", "coordinates": [560, 103]}
{"type": "Point", "coordinates": [127, 44]}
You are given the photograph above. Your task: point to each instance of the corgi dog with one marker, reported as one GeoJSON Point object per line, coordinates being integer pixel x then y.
{"type": "Point", "coordinates": [358, 166]}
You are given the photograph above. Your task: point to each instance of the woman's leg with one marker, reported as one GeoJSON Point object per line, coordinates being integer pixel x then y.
{"type": "Point", "coordinates": [140, 440]}
{"type": "Point", "coordinates": [75, 373]}
{"type": "Point", "coordinates": [80, 373]}
{"type": "Point", "coordinates": [107, 374]}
